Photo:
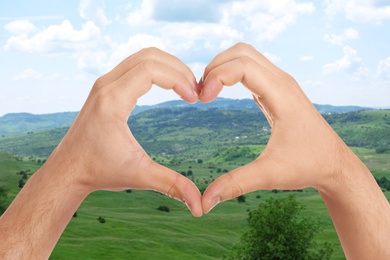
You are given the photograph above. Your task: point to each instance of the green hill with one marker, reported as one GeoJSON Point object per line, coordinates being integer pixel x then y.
{"type": "Point", "coordinates": [369, 128]}
{"type": "Point", "coordinates": [135, 229]}
{"type": "Point", "coordinates": [190, 131]}
{"type": "Point", "coordinates": [16, 123]}
{"type": "Point", "coordinates": [206, 142]}
{"type": "Point", "coordinates": [28, 123]}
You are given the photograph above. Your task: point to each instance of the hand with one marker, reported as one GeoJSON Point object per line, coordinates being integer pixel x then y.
{"type": "Point", "coordinates": [303, 150]}
{"type": "Point", "coordinates": [100, 142]}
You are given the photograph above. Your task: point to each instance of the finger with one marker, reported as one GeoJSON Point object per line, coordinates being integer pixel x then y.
{"type": "Point", "coordinates": [276, 97]}
{"type": "Point", "coordinates": [123, 93]}
{"type": "Point", "coordinates": [265, 173]}
{"type": "Point", "coordinates": [159, 178]}
{"type": "Point", "coordinates": [237, 51]}
{"type": "Point", "coordinates": [147, 54]}
{"type": "Point", "coordinates": [245, 50]}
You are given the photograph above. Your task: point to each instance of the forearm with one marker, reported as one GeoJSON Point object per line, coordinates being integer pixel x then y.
{"type": "Point", "coordinates": [359, 210]}
{"type": "Point", "coordinates": [39, 214]}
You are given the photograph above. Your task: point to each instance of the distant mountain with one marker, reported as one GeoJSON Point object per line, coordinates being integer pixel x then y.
{"type": "Point", "coordinates": [189, 131]}
{"type": "Point", "coordinates": [25, 122]}
{"type": "Point", "coordinates": [219, 103]}
{"type": "Point", "coordinates": [229, 104]}
{"type": "Point", "coordinates": [329, 109]}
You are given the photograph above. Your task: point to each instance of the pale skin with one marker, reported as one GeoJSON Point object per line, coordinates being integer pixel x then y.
{"type": "Point", "coordinates": [100, 153]}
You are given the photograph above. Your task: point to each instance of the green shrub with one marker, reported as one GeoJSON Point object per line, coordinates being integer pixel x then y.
{"type": "Point", "coordinates": [163, 208]}
{"type": "Point", "coordinates": [101, 220]}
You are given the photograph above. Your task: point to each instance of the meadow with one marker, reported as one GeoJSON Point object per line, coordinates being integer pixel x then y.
{"type": "Point", "coordinates": [202, 144]}
{"type": "Point", "coordinates": [135, 229]}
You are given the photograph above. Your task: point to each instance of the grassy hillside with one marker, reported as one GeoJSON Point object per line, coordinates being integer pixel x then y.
{"type": "Point", "coordinates": [19, 123]}
{"type": "Point", "coordinates": [29, 123]}
{"type": "Point", "coordinates": [369, 128]}
{"type": "Point", "coordinates": [205, 142]}
{"type": "Point", "coordinates": [184, 132]}
{"type": "Point", "coordinates": [135, 229]}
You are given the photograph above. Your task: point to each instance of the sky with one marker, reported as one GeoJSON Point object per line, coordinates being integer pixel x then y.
{"type": "Point", "coordinates": [51, 51]}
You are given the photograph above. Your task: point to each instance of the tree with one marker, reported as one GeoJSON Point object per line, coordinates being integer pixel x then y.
{"type": "Point", "coordinates": [21, 183]}
{"type": "Point", "coordinates": [277, 231]}
{"type": "Point", "coordinates": [241, 199]}
{"type": "Point", "coordinates": [164, 208]}
{"type": "Point", "coordinates": [101, 219]}
{"type": "Point", "coordinates": [200, 161]}
{"type": "Point", "coordinates": [381, 149]}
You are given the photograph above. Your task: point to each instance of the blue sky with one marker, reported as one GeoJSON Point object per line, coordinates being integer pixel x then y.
{"type": "Point", "coordinates": [52, 51]}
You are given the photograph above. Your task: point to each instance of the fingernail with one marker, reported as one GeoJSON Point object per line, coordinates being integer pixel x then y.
{"type": "Point", "coordinates": [214, 202]}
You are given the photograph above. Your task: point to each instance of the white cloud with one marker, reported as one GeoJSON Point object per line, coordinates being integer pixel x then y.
{"type": "Point", "coordinates": [94, 11]}
{"type": "Point", "coordinates": [142, 15]}
{"type": "Point", "coordinates": [93, 61]}
{"type": "Point", "coordinates": [56, 39]}
{"type": "Point", "coordinates": [364, 11]}
{"type": "Point", "coordinates": [313, 84]}
{"type": "Point", "coordinates": [134, 44]}
{"type": "Point", "coordinates": [28, 74]}
{"type": "Point", "coordinates": [87, 44]}
{"type": "Point", "coordinates": [349, 61]}
{"type": "Point", "coordinates": [267, 18]}
{"type": "Point", "coordinates": [32, 74]}
{"type": "Point", "coordinates": [193, 36]}
{"type": "Point", "coordinates": [305, 58]}
{"type": "Point", "coordinates": [383, 70]}
{"type": "Point", "coordinates": [349, 34]}
{"type": "Point", "coordinates": [99, 61]}
{"type": "Point", "coordinates": [197, 68]}
{"type": "Point", "coordinates": [20, 27]}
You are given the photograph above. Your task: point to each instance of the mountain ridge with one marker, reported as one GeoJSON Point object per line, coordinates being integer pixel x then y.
{"type": "Point", "coordinates": [14, 123]}
{"type": "Point", "coordinates": [189, 130]}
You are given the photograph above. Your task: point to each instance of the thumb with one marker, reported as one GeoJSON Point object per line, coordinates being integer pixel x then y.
{"type": "Point", "coordinates": [261, 174]}
{"type": "Point", "coordinates": [162, 179]}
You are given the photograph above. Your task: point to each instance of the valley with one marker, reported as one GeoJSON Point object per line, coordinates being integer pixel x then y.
{"type": "Point", "coordinates": [201, 143]}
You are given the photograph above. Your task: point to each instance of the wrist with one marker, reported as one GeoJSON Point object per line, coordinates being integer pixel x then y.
{"type": "Point", "coordinates": [343, 168]}
{"type": "Point", "coordinates": [348, 175]}
{"type": "Point", "coordinates": [65, 171]}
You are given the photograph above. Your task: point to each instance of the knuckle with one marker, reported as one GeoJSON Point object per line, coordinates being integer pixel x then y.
{"type": "Point", "coordinates": [244, 47]}
{"type": "Point", "coordinates": [172, 192]}
{"type": "Point", "coordinates": [150, 52]}
{"type": "Point", "coordinates": [245, 60]}
{"type": "Point", "coordinates": [147, 66]}
{"type": "Point", "coordinates": [236, 189]}
{"type": "Point", "coordinates": [99, 83]}
{"type": "Point", "coordinates": [171, 189]}
{"type": "Point", "coordinates": [290, 78]}
{"type": "Point", "coordinates": [102, 100]}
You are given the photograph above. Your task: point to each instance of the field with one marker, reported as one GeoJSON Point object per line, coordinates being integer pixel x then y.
{"type": "Point", "coordinates": [135, 229]}
{"type": "Point", "coordinates": [200, 143]}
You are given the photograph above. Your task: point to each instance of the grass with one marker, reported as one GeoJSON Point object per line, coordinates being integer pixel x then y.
{"type": "Point", "coordinates": [135, 229]}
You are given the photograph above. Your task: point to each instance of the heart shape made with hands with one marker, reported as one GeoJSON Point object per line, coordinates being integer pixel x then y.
{"type": "Point", "coordinates": [293, 118]}
{"type": "Point", "coordinates": [293, 153]}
